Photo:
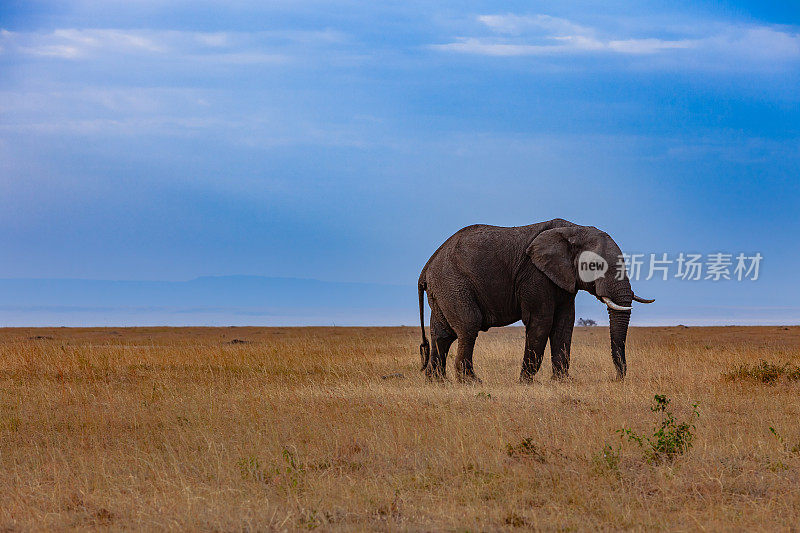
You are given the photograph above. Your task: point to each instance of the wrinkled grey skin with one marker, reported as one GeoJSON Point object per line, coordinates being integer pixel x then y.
{"type": "Point", "coordinates": [488, 276]}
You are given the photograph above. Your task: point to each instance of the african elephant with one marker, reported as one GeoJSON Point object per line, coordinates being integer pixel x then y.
{"type": "Point", "coordinates": [486, 276]}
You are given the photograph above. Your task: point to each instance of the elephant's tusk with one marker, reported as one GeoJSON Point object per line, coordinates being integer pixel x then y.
{"type": "Point", "coordinates": [643, 300]}
{"type": "Point", "coordinates": [614, 306]}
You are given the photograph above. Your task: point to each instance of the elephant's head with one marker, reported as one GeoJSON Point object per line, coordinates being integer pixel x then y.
{"type": "Point", "coordinates": [585, 258]}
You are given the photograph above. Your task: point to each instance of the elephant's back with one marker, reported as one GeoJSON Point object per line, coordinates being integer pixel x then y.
{"type": "Point", "coordinates": [465, 237]}
{"type": "Point", "coordinates": [483, 253]}
{"type": "Point", "coordinates": [471, 254]}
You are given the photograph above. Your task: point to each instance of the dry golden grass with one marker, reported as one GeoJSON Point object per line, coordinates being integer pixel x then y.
{"type": "Point", "coordinates": [160, 428]}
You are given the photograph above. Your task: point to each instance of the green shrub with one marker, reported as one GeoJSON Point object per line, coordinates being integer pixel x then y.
{"type": "Point", "coordinates": [294, 470]}
{"type": "Point", "coordinates": [669, 438]}
{"type": "Point", "coordinates": [795, 450]}
{"type": "Point", "coordinates": [291, 473]}
{"type": "Point", "coordinates": [607, 459]}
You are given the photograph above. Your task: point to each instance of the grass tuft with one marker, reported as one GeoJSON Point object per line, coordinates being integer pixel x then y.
{"type": "Point", "coordinates": [526, 449]}
{"type": "Point", "coordinates": [764, 372]}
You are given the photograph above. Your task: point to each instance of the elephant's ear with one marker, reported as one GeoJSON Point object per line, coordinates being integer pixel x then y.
{"type": "Point", "coordinates": [552, 253]}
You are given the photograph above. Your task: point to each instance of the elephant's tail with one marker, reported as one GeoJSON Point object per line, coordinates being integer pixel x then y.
{"type": "Point", "coordinates": [424, 348]}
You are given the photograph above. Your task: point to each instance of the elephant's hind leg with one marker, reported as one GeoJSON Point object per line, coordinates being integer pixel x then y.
{"type": "Point", "coordinates": [461, 312]}
{"type": "Point", "coordinates": [442, 336]}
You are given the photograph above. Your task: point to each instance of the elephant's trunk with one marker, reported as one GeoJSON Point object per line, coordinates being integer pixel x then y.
{"type": "Point", "coordinates": [618, 328]}
{"type": "Point", "coordinates": [620, 291]}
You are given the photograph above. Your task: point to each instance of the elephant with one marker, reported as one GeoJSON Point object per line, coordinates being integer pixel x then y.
{"type": "Point", "coordinates": [490, 276]}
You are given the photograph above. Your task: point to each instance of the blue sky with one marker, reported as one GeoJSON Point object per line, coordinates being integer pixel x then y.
{"type": "Point", "coordinates": [344, 141]}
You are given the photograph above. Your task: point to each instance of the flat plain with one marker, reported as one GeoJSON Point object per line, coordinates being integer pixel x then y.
{"type": "Point", "coordinates": [336, 429]}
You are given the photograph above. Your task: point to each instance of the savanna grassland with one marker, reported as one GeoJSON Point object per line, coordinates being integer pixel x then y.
{"type": "Point", "coordinates": [336, 429]}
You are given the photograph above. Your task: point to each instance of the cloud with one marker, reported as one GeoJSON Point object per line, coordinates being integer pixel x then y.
{"type": "Point", "coordinates": [494, 48]}
{"type": "Point", "coordinates": [76, 44]}
{"type": "Point", "coordinates": [516, 24]}
{"type": "Point", "coordinates": [649, 46]}
{"type": "Point", "coordinates": [234, 47]}
{"type": "Point", "coordinates": [562, 45]}
{"type": "Point", "coordinates": [544, 35]}
{"type": "Point", "coordinates": [140, 113]}
{"type": "Point", "coordinates": [756, 43]}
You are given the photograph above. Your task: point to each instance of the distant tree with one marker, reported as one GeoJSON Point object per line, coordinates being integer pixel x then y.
{"type": "Point", "coordinates": [586, 322]}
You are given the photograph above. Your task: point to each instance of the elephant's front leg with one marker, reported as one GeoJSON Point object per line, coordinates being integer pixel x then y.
{"type": "Point", "coordinates": [561, 338]}
{"type": "Point", "coordinates": [464, 370]}
{"type": "Point", "coordinates": [536, 330]}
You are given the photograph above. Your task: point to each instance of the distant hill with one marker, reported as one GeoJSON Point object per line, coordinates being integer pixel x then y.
{"type": "Point", "coordinates": [245, 300]}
